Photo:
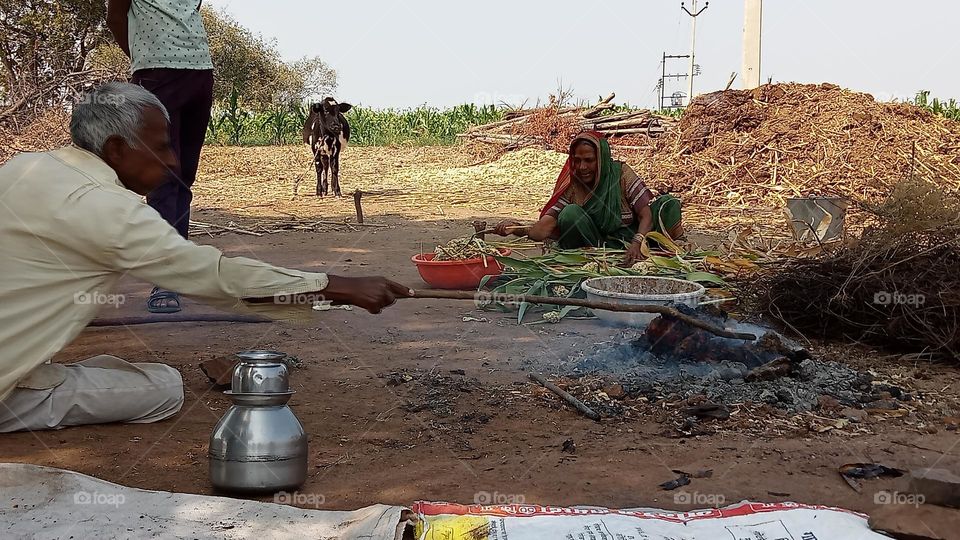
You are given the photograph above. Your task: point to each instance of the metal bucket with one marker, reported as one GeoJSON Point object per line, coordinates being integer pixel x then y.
{"type": "Point", "coordinates": [816, 218]}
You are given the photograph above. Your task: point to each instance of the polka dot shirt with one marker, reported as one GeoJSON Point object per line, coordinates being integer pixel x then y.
{"type": "Point", "coordinates": [167, 34]}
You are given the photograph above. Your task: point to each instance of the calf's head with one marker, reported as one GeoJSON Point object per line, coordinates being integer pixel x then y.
{"type": "Point", "coordinates": [329, 114]}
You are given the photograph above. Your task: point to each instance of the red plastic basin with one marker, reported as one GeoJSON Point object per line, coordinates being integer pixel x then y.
{"type": "Point", "coordinates": [465, 274]}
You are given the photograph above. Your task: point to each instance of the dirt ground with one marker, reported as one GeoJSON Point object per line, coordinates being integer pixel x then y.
{"type": "Point", "coordinates": [467, 423]}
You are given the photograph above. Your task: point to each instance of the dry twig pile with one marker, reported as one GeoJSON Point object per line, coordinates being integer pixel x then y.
{"type": "Point", "coordinates": [897, 285]}
{"type": "Point", "coordinates": [554, 126]}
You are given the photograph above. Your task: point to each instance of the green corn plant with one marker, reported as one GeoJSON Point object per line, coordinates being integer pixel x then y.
{"type": "Point", "coordinates": [214, 133]}
{"type": "Point", "coordinates": [947, 109]}
{"type": "Point", "coordinates": [277, 123]}
{"type": "Point", "coordinates": [235, 117]}
{"type": "Point", "coordinates": [281, 124]}
{"type": "Point", "coordinates": [299, 112]}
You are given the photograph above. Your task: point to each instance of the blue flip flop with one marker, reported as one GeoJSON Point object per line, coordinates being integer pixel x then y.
{"type": "Point", "coordinates": [160, 299]}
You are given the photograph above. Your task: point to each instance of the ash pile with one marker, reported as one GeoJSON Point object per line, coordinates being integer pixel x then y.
{"type": "Point", "coordinates": [673, 360]}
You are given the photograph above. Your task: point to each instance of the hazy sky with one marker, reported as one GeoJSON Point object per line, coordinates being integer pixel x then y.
{"type": "Point", "coordinates": [402, 53]}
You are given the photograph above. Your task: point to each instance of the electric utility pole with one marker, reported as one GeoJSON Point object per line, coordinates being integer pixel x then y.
{"type": "Point", "coordinates": [693, 41]}
{"type": "Point", "coordinates": [752, 19]}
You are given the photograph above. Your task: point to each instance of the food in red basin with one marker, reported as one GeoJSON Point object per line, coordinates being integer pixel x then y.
{"type": "Point", "coordinates": [461, 274]}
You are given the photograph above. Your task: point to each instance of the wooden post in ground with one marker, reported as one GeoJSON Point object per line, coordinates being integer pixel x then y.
{"type": "Point", "coordinates": [357, 195]}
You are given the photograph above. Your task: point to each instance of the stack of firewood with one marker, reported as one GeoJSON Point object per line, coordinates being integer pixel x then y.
{"type": "Point", "coordinates": [543, 126]}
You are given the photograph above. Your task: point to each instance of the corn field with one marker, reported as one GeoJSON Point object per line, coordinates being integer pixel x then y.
{"type": "Point", "coordinates": [233, 124]}
{"type": "Point", "coordinates": [946, 108]}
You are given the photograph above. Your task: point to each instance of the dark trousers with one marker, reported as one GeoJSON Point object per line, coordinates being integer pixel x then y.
{"type": "Point", "coordinates": [188, 96]}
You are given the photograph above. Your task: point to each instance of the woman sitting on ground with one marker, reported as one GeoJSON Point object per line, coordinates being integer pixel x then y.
{"type": "Point", "coordinates": [600, 202]}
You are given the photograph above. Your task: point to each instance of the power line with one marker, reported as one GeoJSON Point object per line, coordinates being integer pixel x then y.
{"type": "Point", "coordinates": [693, 42]}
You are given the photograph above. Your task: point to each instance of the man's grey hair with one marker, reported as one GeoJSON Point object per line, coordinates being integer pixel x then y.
{"type": "Point", "coordinates": [112, 109]}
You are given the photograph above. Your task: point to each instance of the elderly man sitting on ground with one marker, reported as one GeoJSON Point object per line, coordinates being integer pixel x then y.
{"type": "Point", "coordinates": [73, 223]}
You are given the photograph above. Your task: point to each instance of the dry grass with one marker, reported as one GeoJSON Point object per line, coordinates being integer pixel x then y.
{"type": "Point", "coordinates": [420, 183]}
{"type": "Point", "coordinates": [414, 182]}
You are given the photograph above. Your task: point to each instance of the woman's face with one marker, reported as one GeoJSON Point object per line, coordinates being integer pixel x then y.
{"type": "Point", "coordinates": [584, 164]}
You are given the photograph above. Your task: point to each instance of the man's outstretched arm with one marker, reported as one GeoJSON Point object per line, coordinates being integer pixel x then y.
{"type": "Point", "coordinates": [147, 247]}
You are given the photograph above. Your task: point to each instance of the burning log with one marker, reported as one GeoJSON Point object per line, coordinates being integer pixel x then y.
{"type": "Point", "coordinates": [676, 338]}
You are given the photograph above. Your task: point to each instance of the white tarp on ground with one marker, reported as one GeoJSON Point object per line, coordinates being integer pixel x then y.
{"type": "Point", "coordinates": [742, 521]}
{"type": "Point", "coordinates": [43, 502]}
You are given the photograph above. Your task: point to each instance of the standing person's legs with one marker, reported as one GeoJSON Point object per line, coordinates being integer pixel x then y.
{"type": "Point", "coordinates": [194, 118]}
{"type": "Point", "coordinates": [98, 390]}
{"type": "Point", "coordinates": [166, 85]}
{"type": "Point", "coordinates": [187, 95]}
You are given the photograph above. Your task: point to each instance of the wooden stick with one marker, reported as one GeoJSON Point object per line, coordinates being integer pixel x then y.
{"type": "Point", "coordinates": [224, 227]}
{"type": "Point", "coordinates": [730, 82]}
{"type": "Point", "coordinates": [480, 233]}
{"type": "Point", "coordinates": [618, 116]}
{"type": "Point", "coordinates": [628, 123]}
{"type": "Point", "coordinates": [603, 105]}
{"type": "Point", "coordinates": [356, 202]}
{"type": "Point", "coordinates": [577, 404]}
{"type": "Point", "coordinates": [629, 131]}
{"type": "Point", "coordinates": [607, 306]}
{"type": "Point", "coordinates": [345, 224]}
{"type": "Point", "coordinates": [479, 226]}
{"type": "Point", "coordinates": [176, 318]}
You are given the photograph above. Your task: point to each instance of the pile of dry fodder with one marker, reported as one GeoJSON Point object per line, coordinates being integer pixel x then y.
{"type": "Point", "coordinates": [755, 148]}
{"type": "Point", "coordinates": [897, 285]}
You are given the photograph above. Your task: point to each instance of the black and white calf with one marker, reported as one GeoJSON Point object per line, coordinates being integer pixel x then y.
{"type": "Point", "coordinates": [327, 132]}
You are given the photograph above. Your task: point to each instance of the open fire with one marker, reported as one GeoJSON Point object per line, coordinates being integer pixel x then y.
{"type": "Point", "coordinates": [672, 359]}
{"type": "Point", "coordinates": [669, 337]}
